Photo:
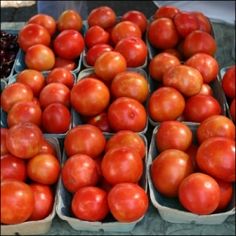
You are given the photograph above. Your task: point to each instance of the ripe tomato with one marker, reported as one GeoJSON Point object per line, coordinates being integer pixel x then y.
{"type": "Point", "coordinates": [165, 103]}
{"type": "Point", "coordinates": [168, 169]}
{"type": "Point", "coordinates": [90, 97]}
{"type": "Point", "coordinates": [86, 139]}
{"type": "Point", "coordinates": [206, 90]}
{"type": "Point", "coordinates": [39, 57]}
{"type": "Point", "coordinates": [216, 157]}
{"type": "Point", "coordinates": [199, 193]}
{"type": "Point", "coordinates": [32, 34]}
{"type": "Point", "coordinates": [166, 11]}
{"type": "Point", "coordinates": [78, 171]}
{"type": "Point", "coordinates": [3, 132]}
{"type": "Point", "coordinates": [66, 63]}
{"type": "Point", "coordinates": [162, 33]}
{"type": "Point", "coordinates": [17, 202]}
{"type": "Point", "coordinates": [199, 107]}
{"type": "Point", "coordinates": [43, 168]}
{"type": "Point", "coordinates": [128, 202]}
{"type": "Point", "coordinates": [216, 126]}
{"type": "Point", "coordinates": [228, 82]}
{"type": "Point", "coordinates": [175, 52]}
{"type": "Point", "coordinates": [90, 204]}
{"type": "Point", "coordinates": [232, 110]}
{"type": "Point", "coordinates": [173, 135]}
{"type": "Point", "coordinates": [100, 121]}
{"type": "Point", "coordinates": [43, 201]}
{"type": "Point", "coordinates": [203, 22]}
{"type": "Point", "coordinates": [47, 147]}
{"type": "Point", "coordinates": [69, 19]}
{"type": "Point", "coordinates": [69, 44]}
{"type": "Point", "coordinates": [127, 114]}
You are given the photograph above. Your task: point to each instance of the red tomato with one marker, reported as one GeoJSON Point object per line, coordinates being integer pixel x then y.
{"type": "Point", "coordinates": [175, 52]}
{"type": "Point", "coordinates": [130, 84]}
{"type": "Point", "coordinates": [32, 34]}
{"type": "Point", "coordinates": [44, 20]}
{"type": "Point", "coordinates": [127, 114]}
{"type": "Point", "coordinates": [78, 171]}
{"type": "Point", "coordinates": [173, 135]}
{"type": "Point", "coordinates": [17, 202]}
{"type": "Point", "coordinates": [128, 202]}
{"type": "Point", "coordinates": [168, 169]}
{"type": "Point", "coordinates": [228, 82]}
{"type": "Point", "coordinates": [24, 140]}
{"type": "Point", "coordinates": [199, 107]}
{"type": "Point", "coordinates": [39, 57]}
{"type": "Point", "coordinates": [199, 193]}
{"type": "Point", "coordinates": [69, 44]}
{"type": "Point", "coordinates": [184, 78]}
{"type": "Point", "coordinates": [103, 16]}
{"type": "Point", "coordinates": [14, 93]}
{"type": "Point", "coordinates": [216, 157]}
{"type": "Point", "coordinates": [43, 168]}
{"type": "Point", "coordinates": [100, 121]}
{"type": "Point", "coordinates": [66, 63]}
{"type": "Point", "coordinates": [47, 147]}
{"type": "Point", "coordinates": [134, 50]}
{"type": "Point", "coordinates": [232, 110]}
{"type": "Point", "coordinates": [13, 168]}
{"type": "Point", "coordinates": [90, 204]}
{"type": "Point", "coordinates": [86, 139]}
{"type": "Point", "coordinates": [69, 19]}
{"type": "Point", "coordinates": [216, 126]}
{"type": "Point", "coordinates": [90, 97]}
{"type": "Point", "coordinates": [203, 22]}
{"type": "Point", "coordinates": [3, 132]}
{"type": "Point", "coordinates": [205, 64]}
{"type": "Point", "coordinates": [165, 103]}
{"type": "Point", "coordinates": [109, 64]}
{"type": "Point", "coordinates": [206, 90]}
{"type": "Point", "coordinates": [162, 33]}
{"type": "Point", "coordinates": [56, 118]}
{"type": "Point", "coordinates": [43, 201]}
{"type": "Point", "coordinates": [166, 11]}
{"type": "Point", "coordinates": [160, 63]}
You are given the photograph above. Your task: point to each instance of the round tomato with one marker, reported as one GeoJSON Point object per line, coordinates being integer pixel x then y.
{"type": "Point", "coordinates": [3, 132]}
{"type": "Point", "coordinates": [175, 52]}
{"type": "Point", "coordinates": [47, 147]}
{"type": "Point", "coordinates": [199, 193]}
{"type": "Point", "coordinates": [100, 121]}
{"type": "Point", "coordinates": [203, 22]}
{"type": "Point", "coordinates": [166, 11]}
{"type": "Point", "coordinates": [228, 82]}
{"type": "Point", "coordinates": [206, 90]}
{"type": "Point", "coordinates": [66, 63]}
{"type": "Point", "coordinates": [232, 110]}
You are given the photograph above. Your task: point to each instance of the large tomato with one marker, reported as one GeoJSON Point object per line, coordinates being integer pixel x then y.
{"type": "Point", "coordinates": [216, 156]}
{"type": "Point", "coordinates": [168, 169]}
{"type": "Point", "coordinates": [166, 11]}
{"type": "Point", "coordinates": [66, 63]}
{"type": "Point", "coordinates": [3, 132]}
{"type": "Point", "coordinates": [203, 22]}
{"type": "Point", "coordinates": [228, 82]}
{"type": "Point", "coordinates": [100, 121]}
{"type": "Point", "coordinates": [199, 193]}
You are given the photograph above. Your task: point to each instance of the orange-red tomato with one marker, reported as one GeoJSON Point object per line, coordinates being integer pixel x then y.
{"type": "Point", "coordinates": [166, 11]}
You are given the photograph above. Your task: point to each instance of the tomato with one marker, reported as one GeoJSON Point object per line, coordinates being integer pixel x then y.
{"type": "Point", "coordinates": [228, 82]}
{"type": "Point", "coordinates": [203, 22]}
{"type": "Point", "coordinates": [17, 202]}
{"type": "Point", "coordinates": [216, 157]}
{"type": "Point", "coordinates": [165, 103]}
{"type": "Point", "coordinates": [100, 121]}
{"type": "Point", "coordinates": [109, 64]}
{"type": "Point", "coordinates": [127, 138]}
{"type": "Point", "coordinates": [43, 201]}
{"type": "Point", "coordinates": [136, 17]}
{"type": "Point", "coordinates": [134, 50]}
{"type": "Point", "coordinates": [32, 34]}
{"type": "Point", "coordinates": [130, 84]}
{"type": "Point", "coordinates": [174, 52]}
{"type": "Point", "coordinates": [90, 96]}
{"type": "Point", "coordinates": [86, 139]}
{"type": "Point", "coordinates": [69, 19]}
{"type": "Point", "coordinates": [66, 63]}
{"type": "Point", "coordinates": [61, 75]}
{"type": "Point", "coordinates": [205, 64]}
{"type": "Point", "coordinates": [90, 204]}
{"type": "Point", "coordinates": [56, 118]}
{"type": "Point", "coordinates": [127, 114]}
{"type": "Point", "coordinates": [96, 35]}
{"type": "Point", "coordinates": [162, 33]}
{"type": "Point", "coordinates": [199, 41]}
{"type": "Point", "coordinates": [173, 135]}
{"type": "Point", "coordinates": [43, 168]}
{"type": "Point", "coordinates": [69, 44]}
{"type": "Point", "coordinates": [3, 132]}
{"type": "Point", "coordinates": [161, 63]}
{"type": "Point", "coordinates": [125, 29]}
{"type": "Point", "coordinates": [168, 169]}
{"type": "Point", "coordinates": [199, 107]}
{"type": "Point", "coordinates": [216, 126]}
{"type": "Point", "coordinates": [14, 93]}
{"type": "Point", "coordinates": [47, 147]}
{"type": "Point", "coordinates": [186, 79]}
{"type": "Point", "coordinates": [79, 170]}
{"type": "Point", "coordinates": [24, 140]}
{"type": "Point", "coordinates": [13, 168]}
{"type": "Point", "coordinates": [166, 11]}
{"type": "Point", "coordinates": [44, 20]}
{"type": "Point", "coordinates": [103, 16]}
{"type": "Point", "coordinates": [199, 193]}
{"type": "Point", "coordinates": [232, 109]}
{"type": "Point", "coordinates": [95, 51]}
{"type": "Point", "coordinates": [128, 202]}
{"type": "Point", "coordinates": [206, 90]}
{"type": "Point", "coordinates": [39, 57]}
{"type": "Point", "coordinates": [54, 92]}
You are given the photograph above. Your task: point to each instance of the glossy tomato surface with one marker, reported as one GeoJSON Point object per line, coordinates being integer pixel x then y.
{"type": "Point", "coordinates": [228, 82]}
